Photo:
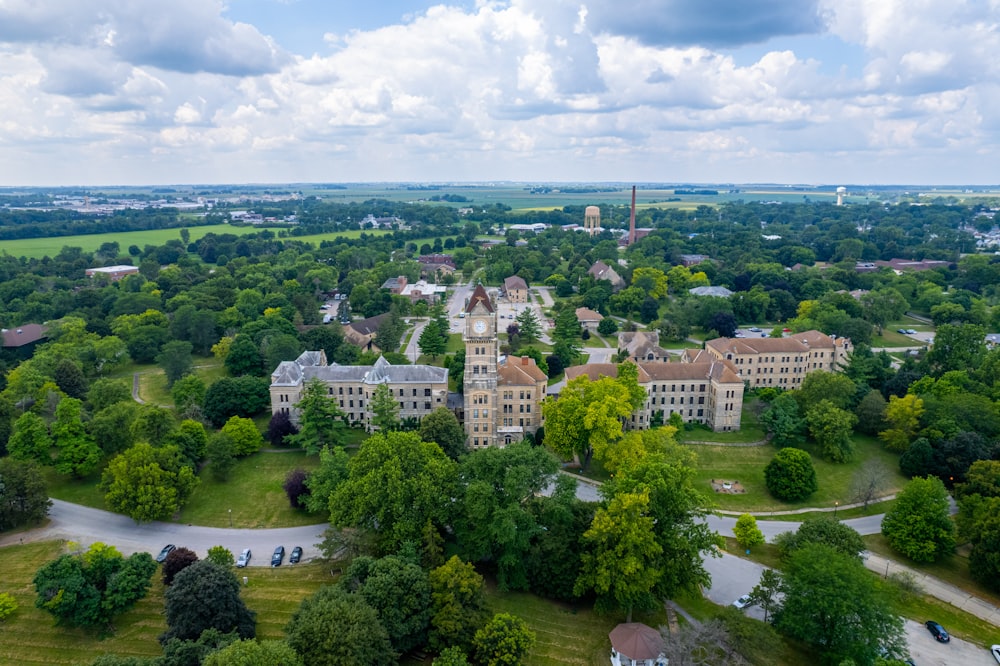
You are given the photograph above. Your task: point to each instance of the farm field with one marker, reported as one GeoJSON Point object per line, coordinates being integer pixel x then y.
{"type": "Point", "coordinates": [35, 248]}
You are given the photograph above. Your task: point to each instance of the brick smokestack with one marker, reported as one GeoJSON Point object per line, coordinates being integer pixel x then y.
{"type": "Point", "coordinates": [631, 220]}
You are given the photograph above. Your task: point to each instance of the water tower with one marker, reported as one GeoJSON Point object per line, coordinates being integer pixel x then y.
{"type": "Point", "coordinates": [592, 220]}
{"type": "Point", "coordinates": [841, 191]}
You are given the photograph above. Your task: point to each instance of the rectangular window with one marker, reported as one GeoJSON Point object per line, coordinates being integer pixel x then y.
{"type": "Point", "coordinates": [414, 393]}
{"type": "Point", "coordinates": [350, 390]}
{"type": "Point", "coordinates": [341, 390]}
{"type": "Point", "coordinates": [486, 413]}
{"type": "Point", "coordinates": [352, 403]}
{"type": "Point", "coordinates": [427, 392]}
{"type": "Point", "coordinates": [427, 405]}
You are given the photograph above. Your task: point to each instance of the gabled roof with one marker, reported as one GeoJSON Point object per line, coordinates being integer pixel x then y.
{"type": "Point", "coordinates": [586, 314]}
{"type": "Point", "coordinates": [368, 326]}
{"type": "Point", "coordinates": [721, 370]}
{"type": "Point", "coordinates": [797, 343]}
{"type": "Point", "coordinates": [479, 296]}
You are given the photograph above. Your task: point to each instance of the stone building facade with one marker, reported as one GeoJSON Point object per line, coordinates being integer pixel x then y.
{"type": "Point", "coordinates": [419, 389]}
{"type": "Point", "coordinates": [781, 362]}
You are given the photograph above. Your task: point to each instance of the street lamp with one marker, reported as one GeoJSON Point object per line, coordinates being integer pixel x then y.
{"type": "Point", "coordinates": [836, 505]}
{"type": "Point", "coordinates": [230, 519]}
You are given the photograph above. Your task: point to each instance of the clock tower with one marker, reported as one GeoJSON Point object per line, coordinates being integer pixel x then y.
{"type": "Point", "coordinates": [480, 380]}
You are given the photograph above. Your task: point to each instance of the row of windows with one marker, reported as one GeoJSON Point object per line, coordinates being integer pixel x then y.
{"type": "Point", "coordinates": [350, 391]}
{"type": "Point", "coordinates": [524, 408]}
{"type": "Point", "coordinates": [475, 413]}
{"type": "Point", "coordinates": [663, 401]}
{"type": "Point", "coordinates": [673, 387]}
{"type": "Point", "coordinates": [510, 422]}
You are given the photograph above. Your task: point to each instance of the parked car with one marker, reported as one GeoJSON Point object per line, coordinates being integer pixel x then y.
{"type": "Point", "coordinates": [755, 329]}
{"type": "Point", "coordinates": [169, 548]}
{"type": "Point", "coordinates": [278, 557]}
{"type": "Point", "coordinates": [910, 331]}
{"type": "Point", "coordinates": [742, 602]}
{"type": "Point", "coordinates": [296, 555]}
{"type": "Point", "coordinates": [995, 651]}
{"type": "Point", "coordinates": [937, 631]}
{"type": "Point", "coordinates": [244, 559]}
{"type": "Point", "coordinates": [901, 330]}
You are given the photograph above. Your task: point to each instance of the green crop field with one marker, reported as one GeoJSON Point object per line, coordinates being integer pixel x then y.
{"type": "Point", "coordinates": [35, 248]}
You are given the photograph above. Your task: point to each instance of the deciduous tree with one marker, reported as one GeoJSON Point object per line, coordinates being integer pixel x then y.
{"type": "Point", "coordinates": [89, 589]}
{"type": "Point", "coordinates": [333, 627]}
{"type": "Point", "coordinates": [903, 416]}
{"type": "Point", "coordinates": [442, 427]}
{"type": "Point", "coordinates": [458, 604]}
{"type": "Point", "coordinates": [503, 641]}
{"type": "Point", "coordinates": [177, 560]}
{"type": "Point", "coordinates": [747, 533]}
{"type": "Point", "coordinates": [400, 593]}
{"type": "Point", "coordinates": [783, 421]}
{"type": "Point", "coordinates": [221, 556]}
{"type": "Point", "coordinates": [24, 498]}
{"type": "Point", "coordinates": [206, 596]}
{"type": "Point", "coordinates": [325, 479]}
{"type": "Point", "coordinates": [395, 485]}
{"type": "Point", "coordinates": [254, 653]}
{"type": "Point", "coordinates": [245, 436]}
{"type": "Point", "coordinates": [832, 427]}
{"type": "Point", "coordinates": [919, 524]}
{"type": "Point", "coordinates": [321, 421]}
{"type": "Point", "coordinates": [620, 565]}
{"type": "Point", "coordinates": [832, 603]}
{"type": "Point", "coordinates": [790, 475]}
{"type": "Point", "coordinates": [30, 439]}
{"type": "Point", "coordinates": [79, 455]}
{"type": "Point", "coordinates": [175, 359]}
{"type": "Point", "coordinates": [147, 483]}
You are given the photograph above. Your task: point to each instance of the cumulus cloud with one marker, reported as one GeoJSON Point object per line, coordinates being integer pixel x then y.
{"type": "Point", "coordinates": [517, 89]}
{"type": "Point", "coordinates": [720, 23]}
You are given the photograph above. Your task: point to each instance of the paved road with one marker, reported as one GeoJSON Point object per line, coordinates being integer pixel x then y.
{"type": "Point", "coordinates": [772, 528]}
{"type": "Point", "coordinates": [412, 350]}
{"type": "Point", "coordinates": [85, 526]}
{"type": "Point", "coordinates": [733, 577]}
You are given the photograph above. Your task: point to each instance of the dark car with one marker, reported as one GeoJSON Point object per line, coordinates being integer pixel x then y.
{"type": "Point", "coordinates": [296, 555]}
{"type": "Point", "coordinates": [169, 548]}
{"type": "Point", "coordinates": [278, 557]}
{"type": "Point", "coordinates": [937, 631]}
{"type": "Point", "coordinates": [244, 559]}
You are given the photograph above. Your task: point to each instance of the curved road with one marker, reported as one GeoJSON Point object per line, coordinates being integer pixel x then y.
{"type": "Point", "coordinates": [86, 526]}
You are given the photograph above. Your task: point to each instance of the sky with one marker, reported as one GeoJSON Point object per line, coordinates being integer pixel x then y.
{"type": "Point", "coordinates": [828, 92]}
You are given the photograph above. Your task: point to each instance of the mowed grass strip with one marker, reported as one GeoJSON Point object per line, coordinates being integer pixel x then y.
{"type": "Point", "coordinates": [564, 633]}
{"type": "Point", "coordinates": [746, 465]}
{"type": "Point", "coordinates": [253, 492]}
{"type": "Point", "coordinates": [153, 382]}
{"type": "Point", "coordinates": [275, 594]}
{"type": "Point", "coordinates": [30, 635]}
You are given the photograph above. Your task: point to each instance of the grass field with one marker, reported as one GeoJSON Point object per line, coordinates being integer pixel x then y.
{"type": "Point", "coordinates": [40, 247]}
{"type": "Point", "coordinates": [746, 465]}
{"type": "Point", "coordinates": [566, 634]}
{"type": "Point", "coordinates": [257, 478]}
{"type": "Point", "coordinates": [153, 383]}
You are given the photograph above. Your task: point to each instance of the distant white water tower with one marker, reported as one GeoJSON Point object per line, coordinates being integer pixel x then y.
{"type": "Point", "coordinates": [841, 191]}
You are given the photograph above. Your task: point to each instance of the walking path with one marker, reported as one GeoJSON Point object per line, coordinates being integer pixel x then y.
{"type": "Point", "coordinates": [938, 589]}
{"type": "Point", "coordinates": [826, 509]}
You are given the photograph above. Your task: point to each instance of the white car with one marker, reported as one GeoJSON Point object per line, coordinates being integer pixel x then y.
{"type": "Point", "coordinates": [742, 602]}
{"type": "Point", "coordinates": [244, 559]}
{"type": "Point", "coordinates": [995, 651]}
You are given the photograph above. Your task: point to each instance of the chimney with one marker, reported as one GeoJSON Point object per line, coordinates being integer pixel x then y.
{"type": "Point", "coordinates": [631, 220]}
{"type": "Point", "coordinates": [524, 360]}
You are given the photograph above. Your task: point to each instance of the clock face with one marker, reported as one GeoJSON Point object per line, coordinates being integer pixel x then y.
{"type": "Point", "coordinates": [479, 326]}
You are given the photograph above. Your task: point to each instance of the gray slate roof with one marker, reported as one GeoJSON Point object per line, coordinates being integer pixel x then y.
{"type": "Point", "coordinates": [293, 373]}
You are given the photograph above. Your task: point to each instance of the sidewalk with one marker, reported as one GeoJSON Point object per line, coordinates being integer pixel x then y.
{"type": "Point", "coordinates": [938, 589]}
{"type": "Point", "coordinates": [813, 509]}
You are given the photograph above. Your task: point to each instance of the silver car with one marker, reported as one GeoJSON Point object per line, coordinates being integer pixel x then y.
{"type": "Point", "coordinates": [244, 558]}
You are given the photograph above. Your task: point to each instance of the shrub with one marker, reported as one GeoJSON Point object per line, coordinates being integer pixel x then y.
{"type": "Point", "coordinates": [790, 475]}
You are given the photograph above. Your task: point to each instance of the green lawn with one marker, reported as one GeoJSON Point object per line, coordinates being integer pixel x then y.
{"type": "Point", "coordinates": [953, 569]}
{"type": "Point", "coordinates": [750, 429]}
{"type": "Point", "coordinates": [746, 465]}
{"type": "Point", "coordinates": [565, 633]}
{"type": "Point", "coordinates": [153, 383]}
{"type": "Point", "coordinates": [253, 493]}
{"type": "Point", "coordinates": [30, 637]}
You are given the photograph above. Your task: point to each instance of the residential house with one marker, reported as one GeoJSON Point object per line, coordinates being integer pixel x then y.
{"type": "Point", "coordinates": [589, 319]}
{"type": "Point", "coordinates": [362, 332]}
{"type": "Point", "coordinates": [601, 271]}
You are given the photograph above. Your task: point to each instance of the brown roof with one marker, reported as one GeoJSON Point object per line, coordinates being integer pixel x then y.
{"type": "Point", "coordinates": [586, 314]}
{"type": "Point", "coordinates": [479, 295]}
{"type": "Point", "coordinates": [514, 282]}
{"type": "Point", "coordinates": [799, 342]}
{"type": "Point", "coordinates": [723, 371]}
{"type": "Point", "coordinates": [637, 641]}
{"type": "Point", "coordinates": [23, 335]}
{"type": "Point", "coordinates": [519, 371]}
{"type": "Point", "coordinates": [368, 326]}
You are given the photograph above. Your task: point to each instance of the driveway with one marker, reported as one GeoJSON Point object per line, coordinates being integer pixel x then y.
{"type": "Point", "coordinates": [86, 526]}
